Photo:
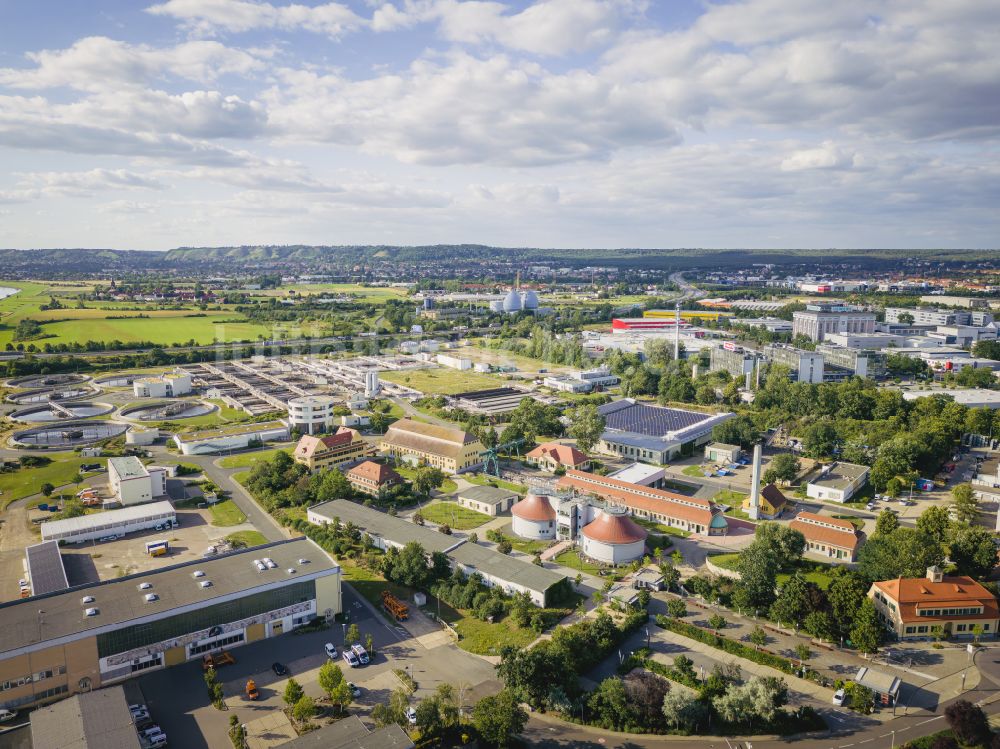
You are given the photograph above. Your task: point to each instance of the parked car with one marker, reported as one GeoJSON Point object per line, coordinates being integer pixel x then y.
{"type": "Point", "coordinates": [838, 697]}
{"type": "Point", "coordinates": [140, 716]}
{"type": "Point", "coordinates": [279, 669]}
{"type": "Point", "coordinates": [362, 654]}
{"type": "Point", "coordinates": [148, 733]}
{"type": "Point", "coordinates": [411, 716]}
{"type": "Point", "coordinates": [355, 689]}
{"type": "Point", "coordinates": [331, 650]}
{"type": "Point", "coordinates": [351, 659]}
{"type": "Point", "coordinates": [6, 715]}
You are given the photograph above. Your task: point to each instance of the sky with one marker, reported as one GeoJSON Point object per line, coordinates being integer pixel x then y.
{"type": "Point", "coordinates": [140, 124]}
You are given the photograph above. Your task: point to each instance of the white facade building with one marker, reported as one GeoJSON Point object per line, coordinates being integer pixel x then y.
{"type": "Point", "coordinates": [838, 482]}
{"type": "Point", "coordinates": [232, 438]}
{"type": "Point", "coordinates": [132, 483]}
{"type": "Point", "coordinates": [166, 386]}
{"type": "Point", "coordinates": [312, 413]}
{"type": "Point", "coordinates": [110, 523]}
{"type": "Point", "coordinates": [454, 362]}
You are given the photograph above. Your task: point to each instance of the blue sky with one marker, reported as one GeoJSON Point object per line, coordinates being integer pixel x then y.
{"type": "Point", "coordinates": [591, 123]}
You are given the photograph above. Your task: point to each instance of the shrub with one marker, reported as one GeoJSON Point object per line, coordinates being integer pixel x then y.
{"type": "Point", "coordinates": [725, 644]}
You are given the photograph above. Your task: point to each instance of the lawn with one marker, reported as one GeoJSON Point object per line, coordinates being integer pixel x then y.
{"type": "Point", "coordinates": [525, 546]}
{"type": "Point", "coordinates": [228, 413]}
{"type": "Point", "coordinates": [241, 477]}
{"type": "Point", "coordinates": [407, 472]}
{"type": "Point", "coordinates": [458, 517]}
{"type": "Point", "coordinates": [694, 471]}
{"type": "Point", "coordinates": [27, 481]}
{"type": "Point", "coordinates": [571, 558]}
{"type": "Point", "coordinates": [247, 538]}
{"type": "Point", "coordinates": [667, 530]}
{"type": "Point", "coordinates": [443, 381]}
{"type": "Point", "coordinates": [812, 571]}
{"type": "Point", "coordinates": [729, 497]}
{"type": "Point", "coordinates": [226, 513]}
{"type": "Point", "coordinates": [482, 479]}
{"type": "Point", "coordinates": [248, 459]}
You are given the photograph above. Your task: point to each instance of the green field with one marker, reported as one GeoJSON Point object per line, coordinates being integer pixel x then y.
{"type": "Point", "coordinates": [458, 517]}
{"type": "Point", "coordinates": [27, 481]}
{"type": "Point", "coordinates": [226, 513]}
{"type": "Point", "coordinates": [694, 471]}
{"type": "Point", "coordinates": [443, 381]}
{"type": "Point", "coordinates": [364, 293]}
{"type": "Point", "coordinates": [486, 480]}
{"type": "Point", "coordinates": [812, 571]}
{"type": "Point", "coordinates": [571, 558]}
{"type": "Point", "coordinates": [662, 528]}
{"type": "Point", "coordinates": [247, 538]}
{"type": "Point", "coordinates": [247, 460]}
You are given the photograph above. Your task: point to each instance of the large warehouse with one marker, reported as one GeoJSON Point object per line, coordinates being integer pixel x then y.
{"type": "Point", "coordinates": [81, 639]}
{"type": "Point", "coordinates": [110, 523]}
{"type": "Point", "coordinates": [653, 434]}
{"type": "Point", "coordinates": [235, 437]}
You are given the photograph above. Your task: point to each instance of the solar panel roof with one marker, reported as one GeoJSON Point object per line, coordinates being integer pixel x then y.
{"type": "Point", "coordinates": [654, 421]}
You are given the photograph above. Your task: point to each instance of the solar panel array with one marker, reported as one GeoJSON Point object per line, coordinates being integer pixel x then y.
{"type": "Point", "coordinates": [653, 421]}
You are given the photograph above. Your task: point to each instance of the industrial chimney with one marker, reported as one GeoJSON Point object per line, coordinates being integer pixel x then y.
{"type": "Point", "coordinates": [754, 512]}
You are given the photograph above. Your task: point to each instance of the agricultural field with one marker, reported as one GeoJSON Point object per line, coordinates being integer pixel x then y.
{"type": "Point", "coordinates": [361, 293]}
{"type": "Point", "coordinates": [443, 381]}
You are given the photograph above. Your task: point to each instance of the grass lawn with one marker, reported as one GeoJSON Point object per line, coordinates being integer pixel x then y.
{"type": "Point", "coordinates": [483, 638]}
{"type": "Point", "coordinates": [571, 558]}
{"type": "Point", "coordinates": [443, 381]}
{"type": "Point", "coordinates": [241, 477]}
{"type": "Point", "coordinates": [407, 472]}
{"type": "Point", "coordinates": [226, 513]}
{"type": "Point", "coordinates": [227, 413]}
{"type": "Point", "coordinates": [666, 530]}
{"type": "Point", "coordinates": [481, 479]}
{"type": "Point", "coordinates": [27, 481]}
{"type": "Point", "coordinates": [247, 538]}
{"type": "Point", "coordinates": [812, 571]}
{"type": "Point", "coordinates": [726, 561]}
{"type": "Point", "coordinates": [248, 459]}
{"type": "Point", "coordinates": [729, 497]}
{"type": "Point", "coordinates": [458, 517]}
{"type": "Point", "coordinates": [525, 546]}
{"type": "Point", "coordinates": [694, 471]}
{"type": "Point", "coordinates": [856, 522]}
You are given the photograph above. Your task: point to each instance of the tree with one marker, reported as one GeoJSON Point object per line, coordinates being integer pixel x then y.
{"type": "Point", "coordinates": [933, 524]}
{"type": "Point", "coordinates": [293, 692]}
{"type": "Point", "coordinates": [716, 621]}
{"type": "Point", "coordinates": [498, 717]}
{"type": "Point", "coordinates": [237, 734]}
{"type": "Point", "coordinates": [886, 523]}
{"type": "Point", "coordinates": [803, 653]}
{"type": "Point", "coordinates": [505, 546]}
{"type": "Point", "coordinates": [608, 704]}
{"type": "Point", "coordinates": [353, 634]}
{"type": "Point", "coordinates": [758, 637]}
{"type": "Point", "coordinates": [861, 699]}
{"type": "Point", "coordinates": [303, 709]}
{"type": "Point", "coordinates": [47, 489]}
{"type": "Point", "coordinates": [757, 698]}
{"type": "Point", "coordinates": [973, 551]}
{"type": "Point", "coordinates": [740, 430]}
{"type": "Point", "coordinates": [429, 717]}
{"type": "Point", "coordinates": [786, 543]}
{"type": "Point", "coordinates": [866, 634]}
{"type": "Point", "coordinates": [902, 553]}
{"type": "Point", "coordinates": [408, 567]}
{"type": "Point", "coordinates": [964, 504]}
{"type": "Point", "coordinates": [676, 608]}
{"type": "Point", "coordinates": [393, 711]}
{"type": "Point", "coordinates": [792, 603]}
{"type": "Point", "coordinates": [427, 478]}
{"type": "Point", "coordinates": [586, 426]}
{"type": "Point", "coordinates": [785, 466]}
{"type": "Point", "coordinates": [819, 625]}
{"type": "Point", "coordinates": [819, 439]}
{"type": "Point", "coordinates": [683, 709]}
{"type": "Point", "coordinates": [329, 677]}
{"type": "Point", "coordinates": [341, 695]}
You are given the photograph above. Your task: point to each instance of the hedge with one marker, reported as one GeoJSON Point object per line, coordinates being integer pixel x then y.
{"type": "Point", "coordinates": [732, 647]}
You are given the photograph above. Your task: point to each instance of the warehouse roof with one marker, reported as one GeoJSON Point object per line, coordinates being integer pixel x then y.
{"type": "Point", "coordinates": [428, 438]}
{"type": "Point", "coordinates": [120, 600]}
{"type": "Point", "coordinates": [655, 421]}
{"type": "Point", "coordinates": [90, 720]}
{"type": "Point", "coordinates": [45, 568]}
{"type": "Point", "coordinates": [207, 434]}
{"type": "Point", "coordinates": [487, 495]}
{"type": "Point", "coordinates": [83, 523]}
{"type": "Point", "coordinates": [375, 523]}
{"type": "Point", "coordinates": [840, 475]}
{"type": "Point", "coordinates": [502, 567]}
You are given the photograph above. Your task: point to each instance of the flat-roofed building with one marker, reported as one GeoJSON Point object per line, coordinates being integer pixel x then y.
{"type": "Point", "coordinates": [90, 720]}
{"type": "Point", "coordinates": [385, 530]}
{"type": "Point", "coordinates": [507, 573]}
{"type": "Point", "coordinates": [371, 477]}
{"type": "Point", "coordinates": [110, 523]}
{"type": "Point", "coordinates": [965, 302]}
{"type": "Point", "coordinates": [721, 452]}
{"type": "Point", "coordinates": [654, 434]}
{"type": "Point", "coordinates": [804, 366]}
{"type": "Point", "coordinates": [860, 362]}
{"type": "Point", "coordinates": [641, 474]}
{"type": "Point", "coordinates": [312, 413]}
{"type": "Point", "coordinates": [490, 500]}
{"type": "Point", "coordinates": [323, 452]}
{"type": "Point", "coordinates": [133, 483]}
{"type": "Point", "coordinates": [238, 437]}
{"type": "Point", "coordinates": [44, 566]}
{"type": "Point", "coordinates": [918, 607]}
{"type": "Point", "coordinates": [351, 733]}
{"type": "Point", "coordinates": [826, 536]}
{"type": "Point", "coordinates": [737, 360]}
{"type": "Point", "coordinates": [816, 321]}
{"type": "Point", "coordinates": [93, 635]}
{"type": "Point", "coordinates": [838, 482]}
{"type": "Point", "coordinates": [452, 450]}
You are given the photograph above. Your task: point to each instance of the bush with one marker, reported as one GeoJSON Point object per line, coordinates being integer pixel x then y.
{"type": "Point", "coordinates": [725, 644]}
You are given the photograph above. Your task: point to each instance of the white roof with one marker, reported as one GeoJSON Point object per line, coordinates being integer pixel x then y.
{"type": "Point", "coordinates": [965, 396]}
{"type": "Point", "coordinates": [637, 473]}
{"type": "Point", "coordinates": [84, 523]}
{"type": "Point", "coordinates": [128, 467]}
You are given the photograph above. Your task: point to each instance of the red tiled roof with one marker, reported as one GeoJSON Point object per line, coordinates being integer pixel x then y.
{"type": "Point", "coordinates": [614, 528]}
{"type": "Point", "coordinates": [534, 507]}
{"type": "Point", "coordinates": [841, 538]}
{"type": "Point", "coordinates": [635, 496]}
{"type": "Point", "coordinates": [377, 472]}
{"type": "Point", "coordinates": [567, 455]}
{"type": "Point", "coordinates": [309, 445]}
{"type": "Point", "coordinates": [816, 518]}
{"type": "Point", "coordinates": [911, 593]}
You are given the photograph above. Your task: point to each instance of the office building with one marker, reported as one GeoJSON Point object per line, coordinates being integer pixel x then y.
{"type": "Point", "coordinates": [737, 360]}
{"type": "Point", "coordinates": [373, 478]}
{"type": "Point", "coordinates": [857, 361]}
{"type": "Point", "coordinates": [838, 482]}
{"type": "Point", "coordinates": [335, 450]}
{"type": "Point", "coordinates": [132, 483]}
{"type": "Point", "coordinates": [804, 366]}
{"type": "Point", "coordinates": [818, 320]}
{"type": "Point", "coordinates": [312, 413]}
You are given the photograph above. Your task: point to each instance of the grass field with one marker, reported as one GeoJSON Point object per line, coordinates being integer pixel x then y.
{"type": "Point", "coordinates": [247, 460]}
{"type": "Point", "coordinates": [571, 558]}
{"type": "Point", "coordinates": [458, 517]}
{"type": "Point", "coordinates": [694, 471]}
{"type": "Point", "coordinates": [226, 513]}
{"type": "Point", "coordinates": [443, 381]}
{"type": "Point", "coordinates": [812, 571]}
{"type": "Point", "coordinates": [484, 480]}
{"type": "Point", "coordinates": [525, 546]}
{"type": "Point", "coordinates": [666, 530]}
{"type": "Point", "coordinates": [27, 481]}
{"type": "Point", "coordinates": [247, 538]}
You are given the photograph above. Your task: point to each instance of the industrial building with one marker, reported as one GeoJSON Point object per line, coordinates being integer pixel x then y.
{"type": "Point", "coordinates": [44, 568]}
{"type": "Point", "coordinates": [913, 607]}
{"type": "Point", "coordinates": [98, 719]}
{"type": "Point", "coordinates": [236, 437]}
{"type": "Point", "coordinates": [492, 401]}
{"type": "Point", "coordinates": [169, 385]}
{"type": "Point", "coordinates": [720, 452]}
{"type": "Point", "coordinates": [965, 302]}
{"type": "Point", "coordinates": [110, 523]}
{"type": "Point", "coordinates": [351, 733]}
{"type": "Point", "coordinates": [384, 530]}
{"type": "Point", "coordinates": [827, 536]}
{"type": "Point", "coordinates": [970, 397]}
{"type": "Point", "coordinates": [451, 450]}
{"type": "Point", "coordinates": [489, 500]}
{"type": "Point", "coordinates": [312, 413]}
{"type": "Point", "coordinates": [132, 483]}
{"type": "Point", "coordinates": [534, 518]}
{"type": "Point", "coordinates": [838, 482]}
{"type": "Point", "coordinates": [613, 537]}
{"type": "Point", "coordinates": [770, 324]}
{"type": "Point", "coordinates": [93, 635]}
{"type": "Point", "coordinates": [584, 381]}
{"type": "Point", "coordinates": [327, 451]}
{"type": "Point", "coordinates": [641, 474]}
{"type": "Point", "coordinates": [507, 573]}
{"type": "Point", "coordinates": [770, 503]}
{"type": "Point", "coordinates": [654, 434]}
{"type": "Point", "coordinates": [818, 320]}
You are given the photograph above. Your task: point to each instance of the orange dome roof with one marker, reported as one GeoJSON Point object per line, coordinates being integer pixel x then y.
{"type": "Point", "coordinates": [614, 526]}
{"type": "Point", "coordinates": [534, 507]}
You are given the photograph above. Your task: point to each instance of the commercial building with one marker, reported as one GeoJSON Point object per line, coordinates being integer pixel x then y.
{"type": "Point", "coordinates": [550, 456]}
{"type": "Point", "coordinates": [816, 321]}
{"type": "Point", "coordinates": [165, 386]}
{"type": "Point", "coordinates": [312, 413]}
{"type": "Point", "coordinates": [613, 537]}
{"type": "Point", "coordinates": [870, 341]}
{"type": "Point", "coordinates": [328, 451]}
{"type": "Point", "coordinates": [692, 514]}
{"type": "Point", "coordinates": [93, 635]}
{"type": "Point", "coordinates": [110, 523]}
{"type": "Point", "coordinates": [804, 366]}
{"type": "Point", "coordinates": [654, 434]}
{"type": "Point", "coordinates": [932, 316]}
{"type": "Point", "coordinates": [373, 478]}
{"type": "Point", "coordinates": [858, 361]}
{"type": "Point", "coordinates": [489, 500]}
{"type": "Point", "coordinates": [507, 573]}
{"type": "Point", "coordinates": [99, 719]}
{"type": "Point", "coordinates": [132, 483]}
{"type": "Point", "coordinates": [236, 437]}
{"type": "Point", "coordinates": [43, 565]}
{"type": "Point", "coordinates": [736, 360]}
{"type": "Point", "coordinates": [534, 518]}
{"type": "Point", "coordinates": [451, 450]}
{"type": "Point", "coordinates": [838, 482]}
{"type": "Point", "coordinates": [965, 302]}
{"type": "Point", "coordinates": [918, 607]}
{"type": "Point", "coordinates": [827, 536]}
{"type": "Point", "coordinates": [583, 381]}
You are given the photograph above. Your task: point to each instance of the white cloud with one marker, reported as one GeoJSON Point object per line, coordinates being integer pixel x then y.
{"type": "Point", "coordinates": [85, 183]}
{"type": "Point", "coordinates": [207, 16]}
{"type": "Point", "coordinates": [827, 156]}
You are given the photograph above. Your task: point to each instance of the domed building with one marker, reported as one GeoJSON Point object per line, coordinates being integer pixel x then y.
{"type": "Point", "coordinates": [512, 302]}
{"type": "Point", "coordinates": [529, 299]}
{"type": "Point", "coordinates": [613, 537]}
{"type": "Point", "coordinates": [534, 518]}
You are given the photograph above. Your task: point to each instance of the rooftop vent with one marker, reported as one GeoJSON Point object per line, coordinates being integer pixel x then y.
{"type": "Point", "coordinates": [205, 583]}
{"type": "Point", "coordinates": [91, 612]}
{"type": "Point", "coordinates": [150, 597]}
{"type": "Point", "coordinates": [291, 570]}
{"type": "Point", "coordinates": [87, 599]}
{"type": "Point", "coordinates": [303, 561]}
{"type": "Point", "coordinates": [145, 586]}
{"type": "Point", "coordinates": [197, 573]}
{"type": "Point", "coordinates": [260, 565]}
{"type": "Point", "coordinates": [269, 562]}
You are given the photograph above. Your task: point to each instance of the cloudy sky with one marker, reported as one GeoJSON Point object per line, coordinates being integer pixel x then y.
{"type": "Point", "coordinates": [592, 123]}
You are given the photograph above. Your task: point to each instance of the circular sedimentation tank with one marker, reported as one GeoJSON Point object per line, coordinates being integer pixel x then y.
{"type": "Point", "coordinates": [167, 410]}
{"type": "Point", "coordinates": [69, 434]}
{"type": "Point", "coordinates": [45, 395]}
{"type": "Point", "coordinates": [116, 381]}
{"type": "Point", "coordinates": [55, 411]}
{"type": "Point", "coordinates": [50, 382]}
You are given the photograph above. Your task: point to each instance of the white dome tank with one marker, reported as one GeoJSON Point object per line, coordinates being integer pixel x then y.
{"type": "Point", "coordinates": [512, 302]}
{"type": "Point", "coordinates": [529, 299]}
